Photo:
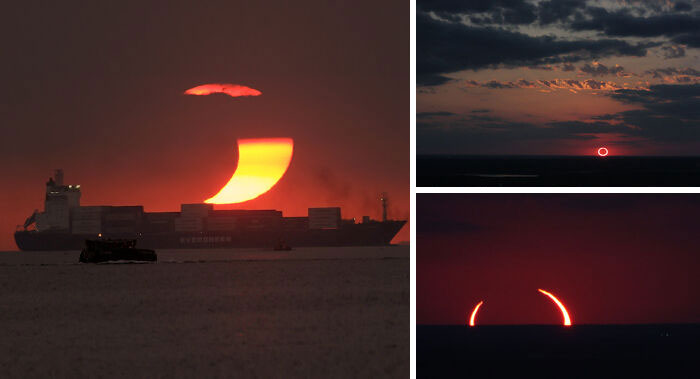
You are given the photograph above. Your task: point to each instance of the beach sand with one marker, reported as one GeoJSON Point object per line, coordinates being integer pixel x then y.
{"type": "Point", "coordinates": [316, 312]}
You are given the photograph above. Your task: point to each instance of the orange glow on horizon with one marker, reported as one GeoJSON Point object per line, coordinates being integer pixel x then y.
{"type": "Point", "coordinates": [261, 164]}
{"type": "Point", "coordinates": [233, 90]}
{"type": "Point", "coordinates": [471, 319]}
{"type": "Point", "coordinates": [603, 151]}
{"type": "Point", "coordinates": [565, 314]}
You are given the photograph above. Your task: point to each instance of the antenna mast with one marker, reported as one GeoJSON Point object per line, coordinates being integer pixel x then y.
{"type": "Point", "coordinates": [385, 202]}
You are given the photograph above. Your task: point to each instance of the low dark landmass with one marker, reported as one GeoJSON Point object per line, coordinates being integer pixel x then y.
{"type": "Point", "coordinates": [672, 350]}
{"type": "Point", "coordinates": [560, 171]}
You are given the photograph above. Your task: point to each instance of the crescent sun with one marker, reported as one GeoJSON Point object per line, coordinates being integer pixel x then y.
{"type": "Point", "coordinates": [473, 316]}
{"type": "Point", "coordinates": [564, 313]}
{"type": "Point", "coordinates": [261, 164]}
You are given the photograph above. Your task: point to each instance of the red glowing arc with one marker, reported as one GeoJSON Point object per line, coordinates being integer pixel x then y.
{"type": "Point", "coordinates": [473, 316]}
{"type": "Point", "coordinates": [603, 151]}
{"type": "Point", "coordinates": [564, 313]}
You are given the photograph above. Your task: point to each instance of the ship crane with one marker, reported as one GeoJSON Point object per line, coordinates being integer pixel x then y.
{"type": "Point", "coordinates": [30, 220]}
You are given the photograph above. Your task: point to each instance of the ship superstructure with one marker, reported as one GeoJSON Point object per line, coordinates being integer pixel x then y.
{"type": "Point", "coordinates": [59, 201]}
{"type": "Point", "coordinates": [65, 225]}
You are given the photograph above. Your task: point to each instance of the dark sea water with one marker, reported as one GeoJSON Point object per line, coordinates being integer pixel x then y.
{"type": "Point", "coordinates": [309, 312]}
{"type": "Point", "coordinates": [572, 171]}
{"type": "Point", "coordinates": [589, 351]}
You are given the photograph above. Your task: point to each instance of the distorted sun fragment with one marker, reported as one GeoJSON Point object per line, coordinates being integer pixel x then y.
{"type": "Point", "coordinates": [233, 90]}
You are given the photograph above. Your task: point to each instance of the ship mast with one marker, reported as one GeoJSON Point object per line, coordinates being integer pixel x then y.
{"type": "Point", "coordinates": [385, 202]}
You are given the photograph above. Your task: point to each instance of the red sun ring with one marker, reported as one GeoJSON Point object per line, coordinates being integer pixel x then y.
{"type": "Point", "coordinates": [603, 151]}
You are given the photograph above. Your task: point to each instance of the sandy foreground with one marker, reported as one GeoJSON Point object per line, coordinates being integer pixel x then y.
{"type": "Point", "coordinates": [322, 315]}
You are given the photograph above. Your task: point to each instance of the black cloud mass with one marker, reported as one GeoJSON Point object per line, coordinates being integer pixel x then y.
{"type": "Point", "coordinates": [471, 35]}
{"type": "Point", "coordinates": [444, 47]}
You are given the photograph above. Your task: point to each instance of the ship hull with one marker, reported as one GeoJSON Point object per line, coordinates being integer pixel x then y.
{"type": "Point", "coordinates": [366, 234]}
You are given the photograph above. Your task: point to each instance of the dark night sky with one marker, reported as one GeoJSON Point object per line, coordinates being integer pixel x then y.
{"type": "Point", "coordinates": [96, 88]}
{"type": "Point", "coordinates": [610, 258]}
{"type": "Point", "coordinates": [558, 77]}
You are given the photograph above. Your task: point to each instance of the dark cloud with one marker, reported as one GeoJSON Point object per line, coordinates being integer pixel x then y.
{"type": "Point", "coordinates": [497, 84]}
{"type": "Point", "coordinates": [625, 24]}
{"type": "Point", "coordinates": [445, 47]}
{"type": "Point", "coordinates": [481, 111]}
{"type": "Point", "coordinates": [433, 114]}
{"type": "Point", "coordinates": [465, 7]}
{"type": "Point", "coordinates": [660, 126]}
{"type": "Point", "coordinates": [673, 51]}
{"type": "Point", "coordinates": [543, 68]}
{"type": "Point", "coordinates": [599, 69]}
{"type": "Point", "coordinates": [690, 39]}
{"type": "Point", "coordinates": [665, 73]}
{"type": "Point", "coordinates": [590, 127]}
{"type": "Point", "coordinates": [558, 10]}
{"type": "Point", "coordinates": [661, 93]}
{"type": "Point", "coordinates": [490, 11]}
{"type": "Point", "coordinates": [431, 80]}
{"type": "Point", "coordinates": [568, 67]}
{"type": "Point", "coordinates": [515, 12]}
{"type": "Point", "coordinates": [670, 112]}
{"type": "Point", "coordinates": [522, 83]}
{"type": "Point", "coordinates": [605, 117]}
{"type": "Point", "coordinates": [682, 6]}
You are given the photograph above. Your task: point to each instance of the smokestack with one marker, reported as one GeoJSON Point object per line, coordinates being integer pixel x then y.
{"type": "Point", "coordinates": [385, 201]}
{"type": "Point", "coordinates": [58, 177]}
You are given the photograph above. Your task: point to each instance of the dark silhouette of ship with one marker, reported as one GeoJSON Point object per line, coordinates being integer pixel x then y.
{"type": "Point", "coordinates": [66, 225]}
{"type": "Point", "coordinates": [105, 250]}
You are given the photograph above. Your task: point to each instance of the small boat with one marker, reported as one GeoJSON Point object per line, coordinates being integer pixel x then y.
{"type": "Point", "coordinates": [97, 251]}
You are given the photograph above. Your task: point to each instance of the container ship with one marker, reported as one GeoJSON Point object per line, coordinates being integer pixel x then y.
{"type": "Point", "coordinates": [65, 225]}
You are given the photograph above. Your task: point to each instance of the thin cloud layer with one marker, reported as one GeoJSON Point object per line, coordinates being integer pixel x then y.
{"type": "Point", "coordinates": [675, 75]}
{"type": "Point", "coordinates": [673, 51]}
{"type": "Point", "coordinates": [233, 90]}
{"type": "Point", "coordinates": [554, 84]}
{"type": "Point", "coordinates": [599, 69]}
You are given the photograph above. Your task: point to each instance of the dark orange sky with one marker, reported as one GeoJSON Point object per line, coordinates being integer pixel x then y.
{"type": "Point", "coordinates": [97, 90]}
{"type": "Point", "coordinates": [610, 258]}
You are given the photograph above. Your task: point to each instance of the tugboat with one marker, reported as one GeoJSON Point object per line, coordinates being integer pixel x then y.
{"type": "Point", "coordinates": [97, 251]}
